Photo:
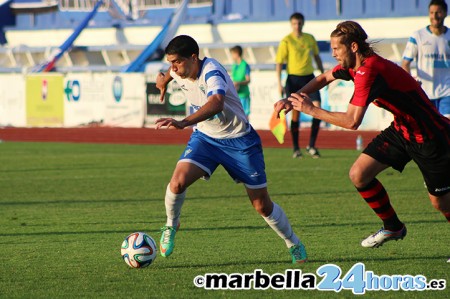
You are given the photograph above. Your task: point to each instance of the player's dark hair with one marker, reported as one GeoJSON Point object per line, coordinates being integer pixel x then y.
{"type": "Point", "coordinates": [440, 3]}
{"type": "Point", "coordinates": [237, 49]}
{"type": "Point", "coordinates": [351, 32]}
{"type": "Point", "coordinates": [297, 16]}
{"type": "Point", "coordinates": [182, 45]}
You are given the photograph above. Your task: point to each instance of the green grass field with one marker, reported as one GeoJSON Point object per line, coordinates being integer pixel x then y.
{"type": "Point", "coordinates": [65, 209]}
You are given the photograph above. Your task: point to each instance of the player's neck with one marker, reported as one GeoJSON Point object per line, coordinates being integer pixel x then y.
{"type": "Point", "coordinates": [359, 61]}
{"type": "Point", "coordinates": [196, 70]}
{"type": "Point", "coordinates": [297, 34]}
{"type": "Point", "coordinates": [437, 30]}
{"type": "Point", "coordinates": [238, 61]}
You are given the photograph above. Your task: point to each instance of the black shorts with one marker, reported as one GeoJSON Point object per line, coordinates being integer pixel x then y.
{"type": "Point", "coordinates": [432, 157]}
{"type": "Point", "coordinates": [294, 83]}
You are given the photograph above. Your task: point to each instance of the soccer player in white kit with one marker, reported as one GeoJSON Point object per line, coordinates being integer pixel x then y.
{"type": "Point", "coordinates": [221, 136]}
{"type": "Point", "coordinates": [430, 46]}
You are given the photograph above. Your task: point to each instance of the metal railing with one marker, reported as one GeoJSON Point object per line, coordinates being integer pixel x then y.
{"type": "Point", "coordinates": [82, 5]}
{"type": "Point", "coordinates": [141, 4]}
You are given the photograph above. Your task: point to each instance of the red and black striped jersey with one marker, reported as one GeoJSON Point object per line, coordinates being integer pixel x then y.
{"type": "Point", "coordinates": [388, 86]}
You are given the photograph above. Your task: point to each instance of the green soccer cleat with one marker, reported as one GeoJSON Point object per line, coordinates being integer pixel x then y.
{"type": "Point", "coordinates": [167, 243]}
{"type": "Point", "coordinates": [298, 254]}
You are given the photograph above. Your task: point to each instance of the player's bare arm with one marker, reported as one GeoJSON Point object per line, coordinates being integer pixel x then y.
{"type": "Point", "coordinates": [351, 119]}
{"type": "Point", "coordinates": [315, 84]}
{"type": "Point", "coordinates": [161, 83]}
{"type": "Point", "coordinates": [278, 69]}
{"type": "Point", "coordinates": [238, 84]}
{"type": "Point", "coordinates": [212, 107]}
{"type": "Point", "coordinates": [406, 65]}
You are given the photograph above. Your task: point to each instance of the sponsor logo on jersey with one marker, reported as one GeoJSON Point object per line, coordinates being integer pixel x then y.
{"type": "Point", "coordinates": [361, 73]}
{"type": "Point", "coordinates": [254, 175]}
{"type": "Point", "coordinates": [202, 89]}
{"type": "Point", "coordinates": [187, 152]}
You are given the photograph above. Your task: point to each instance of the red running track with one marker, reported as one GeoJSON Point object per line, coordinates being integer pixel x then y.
{"type": "Point", "coordinates": [327, 138]}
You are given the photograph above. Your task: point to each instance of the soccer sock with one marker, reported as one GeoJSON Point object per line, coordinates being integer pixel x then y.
{"type": "Point", "coordinates": [279, 222]}
{"type": "Point", "coordinates": [377, 198]}
{"type": "Point", "coordinates": [295, 133]}
{"type": "Point", "coordinates": [447, 215]}
{"type": "Point", "coordinates": [315, 126]}
{"type": "Point", "coordinates": [173, 206]}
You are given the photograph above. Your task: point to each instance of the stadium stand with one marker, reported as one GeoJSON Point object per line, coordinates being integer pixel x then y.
{"type": "Point", "coordinates": [122, 28]}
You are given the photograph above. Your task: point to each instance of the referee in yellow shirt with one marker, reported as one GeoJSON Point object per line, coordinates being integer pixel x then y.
{"type": "Point", "coordinates": [297, 50]}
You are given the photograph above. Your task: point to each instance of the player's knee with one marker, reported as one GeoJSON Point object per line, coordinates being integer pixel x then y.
{"type": "Point", "coordinates": [262, 209]}
{"type": "Point", "coordinates": [263, 206]}
{"type": "Point", "coordinates": [177, 186]}
{"type": "Point", "coordinates": [357, 177]}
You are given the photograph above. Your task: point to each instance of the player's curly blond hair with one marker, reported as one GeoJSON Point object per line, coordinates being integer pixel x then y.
{"type": "Point", "coordinates": [351, 32]}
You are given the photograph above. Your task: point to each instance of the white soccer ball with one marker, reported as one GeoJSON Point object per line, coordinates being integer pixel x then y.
{"type": "Point", "coordinates": [139, 250]}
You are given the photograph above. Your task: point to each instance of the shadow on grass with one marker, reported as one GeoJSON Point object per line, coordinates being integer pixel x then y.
{"type": "Point", "coordinates": [258, 264]}
{"type": "Point", "coordinates": [69, 168]}
{"type": "Point", "coordinates": [193, 198]}
{"type": "Point", "coordinates": [188, 229]}
{"type": "Point", "coordinates": [139, 200]}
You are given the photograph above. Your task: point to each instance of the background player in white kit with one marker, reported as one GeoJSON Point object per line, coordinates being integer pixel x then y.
{"type": "Point", "coordinates": [222, 136]}
{"type": "Point", "coordinates": [430, 46]}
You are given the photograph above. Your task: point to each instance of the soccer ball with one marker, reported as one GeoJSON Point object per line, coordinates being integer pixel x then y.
{"type": "Point", "coordinates": [139, 250]}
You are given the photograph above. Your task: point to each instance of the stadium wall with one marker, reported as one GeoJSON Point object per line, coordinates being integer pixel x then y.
{"type": "Point", "coordinates": [131, 100]}
{"type": "Point", "coordinates": [378, 28]}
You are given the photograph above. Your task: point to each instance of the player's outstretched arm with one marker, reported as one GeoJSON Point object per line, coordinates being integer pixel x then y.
{"type": "Point", "coordinates": [161, 83]}
{"type": "Point", "coordinates": [351, 119]}
{"type": "Point", "coordinates": [212, 107]}
{"type": "Point", "coordinates": [315, 84]}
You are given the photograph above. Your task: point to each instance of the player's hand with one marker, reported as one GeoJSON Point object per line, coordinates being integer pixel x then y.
{"type": "Point", "coordinates": [162, 86]}
{"type": "Point", "coordinates": [301, 102]}
{"type": "Point", "coordinates": [282, 104]}
{"type": "Point", "coordinates": [170, 123]}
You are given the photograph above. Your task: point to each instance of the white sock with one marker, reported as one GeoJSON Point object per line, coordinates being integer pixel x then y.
{"type": "Point", "coordinates": [173, 206]}
{"type": "Point", "coordinates": [279, 222]}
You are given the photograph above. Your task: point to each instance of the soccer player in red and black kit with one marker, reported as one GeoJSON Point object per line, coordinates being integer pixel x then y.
{"type": "Point", "coordinates": [417, 133]}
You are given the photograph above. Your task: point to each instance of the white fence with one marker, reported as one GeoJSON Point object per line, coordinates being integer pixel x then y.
{"type": "Point", "coordinates": [128, 100]}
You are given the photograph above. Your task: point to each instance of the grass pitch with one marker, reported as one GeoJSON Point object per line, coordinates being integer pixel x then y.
{"type": "Point", "coordinates": [65, 209]}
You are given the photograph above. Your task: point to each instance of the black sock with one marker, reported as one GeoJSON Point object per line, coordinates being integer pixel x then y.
{"type": "Point", "coordinates": [315, 126]}
{"type": "Point", "coordinates": [295, 133]}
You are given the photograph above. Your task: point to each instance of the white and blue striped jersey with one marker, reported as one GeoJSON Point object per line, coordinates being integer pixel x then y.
{"type": "Point", "coordinates": [432, 53]}
{"type": "Point", "coordinates": [214, 79]}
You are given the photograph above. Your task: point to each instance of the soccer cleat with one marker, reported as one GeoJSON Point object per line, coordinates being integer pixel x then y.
{"type": "Point", "coordinates": [298, 254]}
{"type": "Point", "coordinates": [166, 244]}
{"type": "Point", "coordinates": [314, 152]}
{"type": "Point", "coordinates": [297, 154]}
{"type": "Point", "coordinates": [448, 261]}
{"type": "Point", "coordinates": [382, 236]}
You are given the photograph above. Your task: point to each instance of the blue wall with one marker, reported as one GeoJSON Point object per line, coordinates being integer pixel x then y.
{"type": "Point", "coordinates": [263, 10]}
{"type": "Point", "coordinates": [249, 10]}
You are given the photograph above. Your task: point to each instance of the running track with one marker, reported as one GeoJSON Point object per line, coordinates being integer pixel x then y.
{"type": "Point", "coordinates": [327, 138]}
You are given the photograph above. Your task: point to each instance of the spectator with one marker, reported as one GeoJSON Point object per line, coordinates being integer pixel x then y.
{"type": "Point", "coordinates": [430, 46]}
{"type": "Point", "coordinates": [240, 73]}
